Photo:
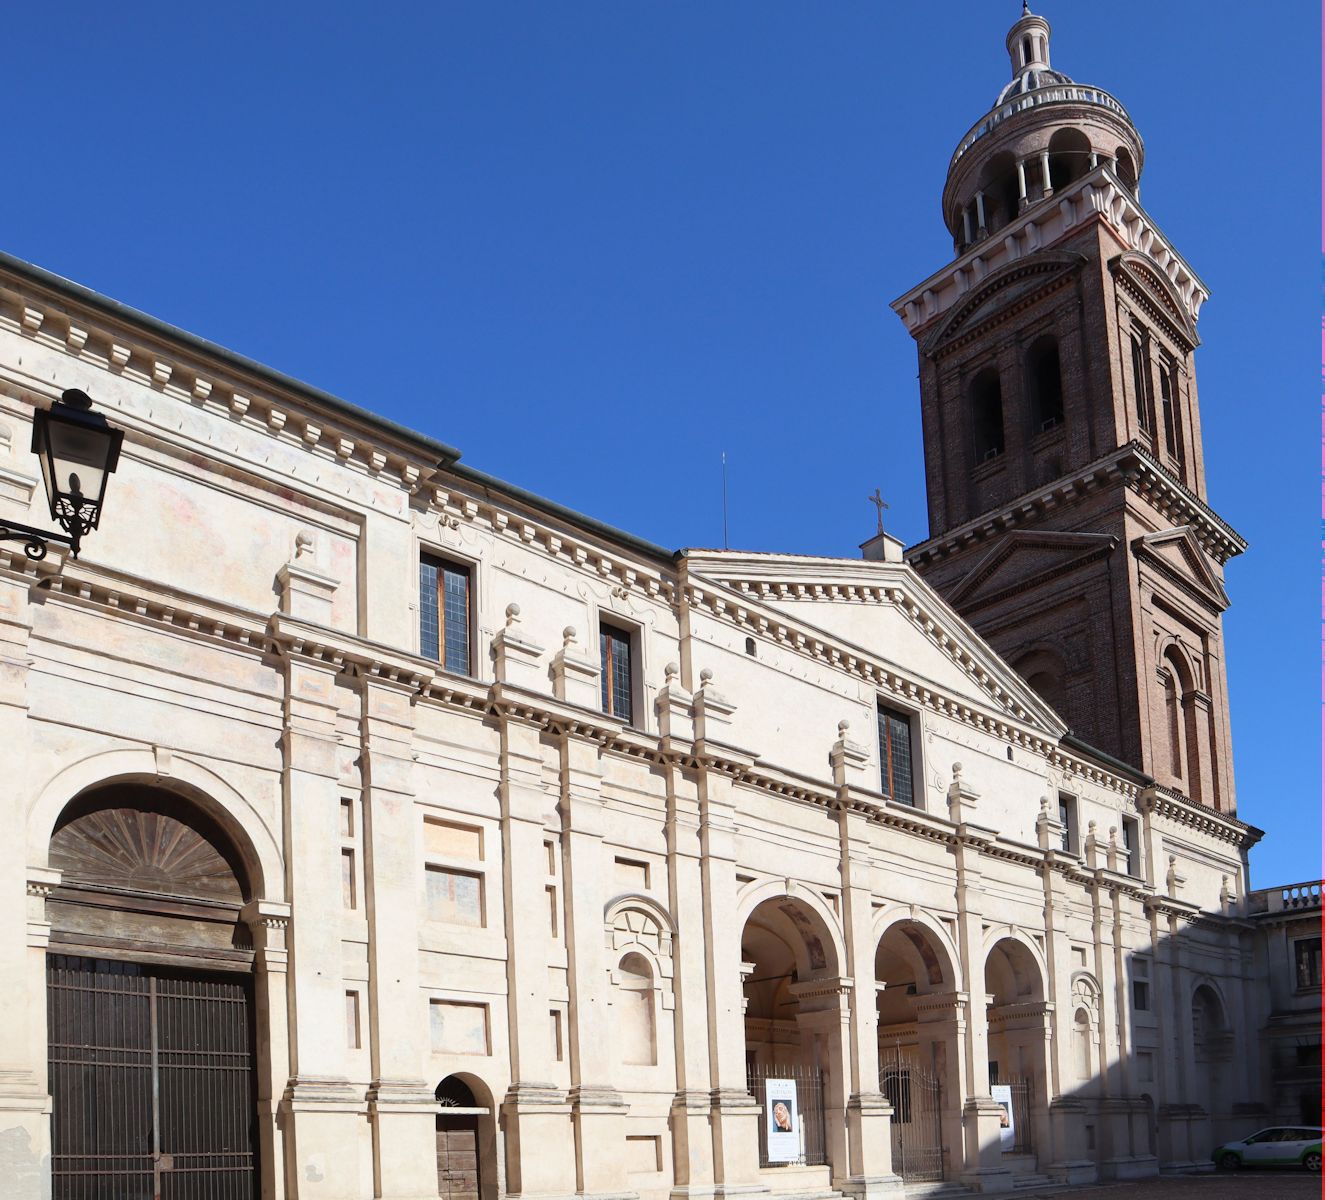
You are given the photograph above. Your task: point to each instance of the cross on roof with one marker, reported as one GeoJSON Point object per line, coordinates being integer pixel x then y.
{"type": "Point", "coordinates": [880, 504]}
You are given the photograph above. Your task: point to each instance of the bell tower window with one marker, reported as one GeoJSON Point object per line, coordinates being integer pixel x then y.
{"type": "Point", "coordinates": [1168, 395]}
{"type": "Point", "coordinates": [1141, 381]}
{"type": "Point", "coordinates": [1046, 384]}
{"type": "Point", "coordinates": [987, 415]}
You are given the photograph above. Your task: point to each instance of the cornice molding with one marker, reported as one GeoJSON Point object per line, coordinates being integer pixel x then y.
{"type": "Point", "coordinates": [1099, 195]}
{"type": "Point", "coordinates": [1131, 465]}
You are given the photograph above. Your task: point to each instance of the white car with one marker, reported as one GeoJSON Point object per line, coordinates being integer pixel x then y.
{"type": "Point", "coordinates": [1280, 1146]}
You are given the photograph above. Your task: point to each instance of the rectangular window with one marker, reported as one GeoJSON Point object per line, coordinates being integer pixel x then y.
{"type": "Point", "coordinates": [618, 676]}
{"type": "Point", "coordinates": [347, 880]}
{"type": "Point", "coordinates": [1145, 1066]}
{"type": "Point", "coordinates": [352, 1020]}
{"type": "Point", "coordinates": [1141, 382]}
{"type": "Point", "coordinates": [455, 897]}
{"type": "Point", "coordinates": [895, 756]}
{"type": "Point", "coordinates": [1131, 847]}
{"type": "Point", "coordinates": [1306, 959]}
{"type": "Point", "coordinates": [444, 613]}
{"type": "Point", "coordinates": [1141, 984]}
{"type": "Point", "coordinates": [1067, 818]}
{"type": "Point", "coordinates": [557, 1052]}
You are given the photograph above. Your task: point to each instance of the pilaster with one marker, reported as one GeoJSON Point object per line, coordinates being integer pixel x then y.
{"type": "Point", "coordinates": [401, 1105]}
{"type": "Point", "coordinates": [322, 1112]}
{"type": "Point", "coordinates": [868, 1113]}
{"type": "Point", "coordinates": [540, 1157]}
{"type": "Point", "coordinates": [598, 1112]}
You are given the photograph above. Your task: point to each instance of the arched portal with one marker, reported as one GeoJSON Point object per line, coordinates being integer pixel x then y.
{"type": "Point", "coordinates": [794, 1009]}
{"type": "Point", "coordinates": [1212, 1044]}
{"type": "Point", "coordinates": [150, 1001]}
{"type": "Point", "coordinates": [1018, 1023]}
{"type": "Point", "coordinates": [919, 1051]}
{"type": "Point", "coordinates": [466, 1140]}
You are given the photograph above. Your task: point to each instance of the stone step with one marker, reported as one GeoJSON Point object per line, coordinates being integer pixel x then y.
{"type": "Point", "coordinates": [941, 1190]}
{"type": "Point", "coordinates": [1026, 1183]}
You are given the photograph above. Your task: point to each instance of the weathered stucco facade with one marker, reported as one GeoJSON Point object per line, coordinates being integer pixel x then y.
{"type": "Point", "coordinates": [542, 924]}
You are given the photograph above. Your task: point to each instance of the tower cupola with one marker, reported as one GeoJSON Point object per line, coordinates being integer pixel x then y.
{"type": "Point", "coordinates": [1028, 43]}
{"type": "Point", "coordinates": [1043, 133]}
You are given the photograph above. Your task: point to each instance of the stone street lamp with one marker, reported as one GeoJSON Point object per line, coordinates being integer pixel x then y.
{"type": "Point", "coordinates": [78, 450]}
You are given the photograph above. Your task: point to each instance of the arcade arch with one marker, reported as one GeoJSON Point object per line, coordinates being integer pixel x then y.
{"type": "Point", "coordinates": [794, 1021]}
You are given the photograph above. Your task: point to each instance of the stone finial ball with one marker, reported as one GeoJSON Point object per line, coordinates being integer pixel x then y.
{"type": "Point", "coordinates": [671, 671]}
{"type": "Point", "coordinates": [705, 676]}
{"type": "Point", "coordinates": [843, 726]}
{"type": "Point", "coordinates": [512, 613]}
{"type": "Point", "coordinates": [568, 634]}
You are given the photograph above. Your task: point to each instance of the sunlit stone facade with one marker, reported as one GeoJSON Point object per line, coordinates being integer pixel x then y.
{"type": "Point", "coordinates": [434, 839]}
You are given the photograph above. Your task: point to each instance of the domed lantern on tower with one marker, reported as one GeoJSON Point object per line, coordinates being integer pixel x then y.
{"type": "Point", "coordinates": [1043, 133]}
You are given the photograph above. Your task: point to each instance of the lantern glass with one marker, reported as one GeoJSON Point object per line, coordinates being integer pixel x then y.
{"type": "Point", "coordinates": [78, 450]}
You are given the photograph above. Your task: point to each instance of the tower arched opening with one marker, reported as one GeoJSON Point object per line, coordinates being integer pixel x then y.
{"type": "Point", "coordinates": [986, 405]}
{"type": "Point", "coordinates": [1044, 376]}
{"type": "Point", "coordinates": [1125, 169]}
{"type": "Point", "coordinates": [1069, 157]}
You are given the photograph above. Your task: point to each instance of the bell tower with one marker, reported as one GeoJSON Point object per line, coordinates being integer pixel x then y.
{"type": "Point", "coordinates": [1063, 460]}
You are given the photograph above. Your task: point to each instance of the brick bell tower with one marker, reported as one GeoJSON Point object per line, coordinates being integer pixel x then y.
{"type": "Point", "coordinates": [1063, 462]}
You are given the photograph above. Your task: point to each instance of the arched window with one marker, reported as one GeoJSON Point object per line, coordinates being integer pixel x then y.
{"type": "Point", "coordinates": [750, 647]}
{"type": "Point", "coordinates": [1183, 721]}
{"type": "Point", "coordinates": [1045, 377]}
{"type": "Point", "coordinates": [636, 1034]}
{"type": "Point", "coordinates": [1141, 379]}
{"type": "Point", "coordinates": [998, 182]}
{"type": "Point", "coordinates": [1044, 671]}
{"type": "Point", "coordinates": [987, 415]}
{"type": "Point", "coordinates": [1069, 157]}
{"type": "Point", "coordinates": [1168, 397]}
{"type": "Point", "coordinates": [1081, 1043]}
{"type": "Point", "coordinates": [1026, 54]}
{"type": "Point", "coordinates": [1126, 169]}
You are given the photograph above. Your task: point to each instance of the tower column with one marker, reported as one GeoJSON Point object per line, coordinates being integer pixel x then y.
{"type": "Point", "coordinates": [981, 227]}
{"type": "Point", "coordinates": [1021, 183]}
{"type": "Point", "coordinates": [1044, 174]}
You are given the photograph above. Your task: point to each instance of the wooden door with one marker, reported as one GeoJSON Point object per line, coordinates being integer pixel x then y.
{"type": "Point", "coordinates": [457, 1157]}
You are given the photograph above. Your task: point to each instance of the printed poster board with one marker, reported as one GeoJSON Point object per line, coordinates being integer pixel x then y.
{"type": "Point", "coordinates": [784, 1120]}
{"type": "Point", "coordinates": [1007, 1123]}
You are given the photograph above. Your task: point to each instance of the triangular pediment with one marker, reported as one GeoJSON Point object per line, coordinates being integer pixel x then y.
{"type": "Point", "coordinates": [882, 611]}
{"type": "Point", "coordinates": [1144, 279]}
{"type": "Point", "coordinates": [1177, 555]}
{"type": "Point", "coordinates": [1024, 559]}
{"type": "Point", "coordinates": [1000, 295]}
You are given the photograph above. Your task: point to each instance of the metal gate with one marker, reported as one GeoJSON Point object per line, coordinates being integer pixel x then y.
{"type": "Point", "coordinates": [810, 1102]}
{"type": "Point", "coordinates": [916, 1097]}
{"type": "Point", "coordinates": [151, 1076]}
{"type": "Point", "coordinates": [1023, 1128]}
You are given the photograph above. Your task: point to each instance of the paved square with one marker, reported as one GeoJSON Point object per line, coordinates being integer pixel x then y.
{"type": "Point", "coordinates": [1235, 1185]}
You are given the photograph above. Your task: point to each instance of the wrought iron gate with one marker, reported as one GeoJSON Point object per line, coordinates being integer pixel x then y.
{"type": "Point", "coordinates": [151, 1076]}
{"type": "Point", "coordinates": [917, 1100]}
{"type": "Point", "coordinates": [810, 1102]}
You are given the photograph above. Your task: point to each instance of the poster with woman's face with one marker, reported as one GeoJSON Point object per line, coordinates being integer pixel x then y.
{"type": "Point", "coordinates": [1007, 1123]}
{"type": "Point", "coordinates": [783, 1117]}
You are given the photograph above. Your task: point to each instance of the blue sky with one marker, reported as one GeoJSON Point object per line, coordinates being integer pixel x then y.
{"type": "Point", "coordinates": [596, 244]}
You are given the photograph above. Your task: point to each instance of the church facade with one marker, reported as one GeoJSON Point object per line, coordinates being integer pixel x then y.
{"type": "Point", "coordinates": [378, 829]}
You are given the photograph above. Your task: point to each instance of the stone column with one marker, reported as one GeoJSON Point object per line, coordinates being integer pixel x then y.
{"type": "Point", "coordinates": [25, 1105]}
{"type": "Point", "coordinates": [982, 230]}
{"type": "Point", "coordinates": [966, 225]}
{"type": "Point", "coordinates": [692, 1142]}
{"type": "Point", "coordinates": [868, 1113]}
{"type": "Point", "coordinates": [323, 1114]}
{"type": "Point", "coordinates": [984, 1167]}
{"type": "Point", "coordinates": [1066, 1146]}
{"type": "Point", "coordinates": [823, 1020]}
{"type": "Point", "coordinates": [540, 1150]}
{"type": "Point", "coordinates": [1021, 184]}
{"type": "Point", "coordinates": [402, 1109]}
{"type": "Point", "coordinates": [268, 923]}
{"type": "Point", "coordinates": [1044, 174]}
{"type": "Point", "coordinates": [598, 1112]}
{"type": "Point", "coordinates": [734, 1114]}
{"type": "Point", "coordinates": [941, 1039]}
